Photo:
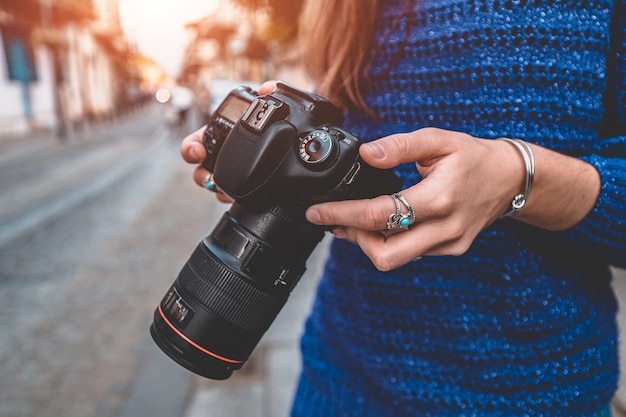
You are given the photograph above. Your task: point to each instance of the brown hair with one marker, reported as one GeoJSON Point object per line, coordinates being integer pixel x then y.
{"type": "Point", "coordinates": [335, 40]}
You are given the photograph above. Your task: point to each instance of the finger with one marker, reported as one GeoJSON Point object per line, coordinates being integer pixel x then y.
{"type": "Point", "coordinates": [426, 200]}
{"type": "Point", "coordinates": [370, 214]}
{"type": "Point", "coordinates": [386, 253]}
{"type": "Point", "coordinates": [191, 148]}
{"type": "Point", "coordinates": [421, 145]}
{"type": "Point", "coordinates": [267, 87]}
{"type": "Point", "coordinates": [440, 237]}
{"type": "Point", "coordinates": [223, 197]}
{"type": "Point", "coordinates": [200, 177]}
{"type": "Point", "coordinates": [391, 252]}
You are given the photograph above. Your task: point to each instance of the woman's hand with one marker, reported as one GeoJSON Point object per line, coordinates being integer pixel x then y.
{"type": "Point", "coordinates": [467, 184]}
{"type": "Point", "coordinates": [193, 151]}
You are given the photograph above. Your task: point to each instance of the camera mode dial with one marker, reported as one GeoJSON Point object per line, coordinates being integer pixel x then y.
{"type": "Point", "coordinates": [317, 147]}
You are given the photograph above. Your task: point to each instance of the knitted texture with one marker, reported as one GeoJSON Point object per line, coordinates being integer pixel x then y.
{"type": "Point", "coordinates": [523, 324]}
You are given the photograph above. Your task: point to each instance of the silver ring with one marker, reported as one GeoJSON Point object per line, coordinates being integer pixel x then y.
{"type": "Point", "coordinates": [401, 219]}
{"type": "Point", "coordinates": [209, 183]}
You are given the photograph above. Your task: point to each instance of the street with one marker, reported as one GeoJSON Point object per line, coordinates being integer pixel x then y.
{"type": "Point", "coordinates": [79, 281]}
{"type": "Point", "coordinates": [92, 233]}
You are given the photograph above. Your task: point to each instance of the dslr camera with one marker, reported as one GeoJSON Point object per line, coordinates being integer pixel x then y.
{"type": "Point", "coordinates": [274, 155]}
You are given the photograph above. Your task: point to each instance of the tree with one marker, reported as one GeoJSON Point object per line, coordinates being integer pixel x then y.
{"type": "Point", "coordinates": [281, 24]}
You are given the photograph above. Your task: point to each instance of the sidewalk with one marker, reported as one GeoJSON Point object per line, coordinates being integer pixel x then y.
{"type": "Point", "coordinates": [619, 285]}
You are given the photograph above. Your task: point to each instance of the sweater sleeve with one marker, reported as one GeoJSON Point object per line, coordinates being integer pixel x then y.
{"type": "Point", "coordinates": [603, 232]}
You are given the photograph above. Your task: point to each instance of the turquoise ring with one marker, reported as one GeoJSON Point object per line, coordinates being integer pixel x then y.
{"type": "Point", "coordinates": [401, 219]}
{"type": "Point", "coordinates": [209, 183]}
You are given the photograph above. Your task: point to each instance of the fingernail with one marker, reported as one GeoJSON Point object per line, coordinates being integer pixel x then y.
{"type": "Point", "coordinates": [193, 154]}
{"type": "Point", "coordinates": [313, 216]}
{"type": "Point", "coordinates": [339, 233]}
{"type": "Point", "coordinates": [375, 149]}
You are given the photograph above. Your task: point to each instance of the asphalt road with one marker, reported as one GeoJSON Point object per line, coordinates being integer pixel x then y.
{"type": "Point", "coordinates": [92, 233]}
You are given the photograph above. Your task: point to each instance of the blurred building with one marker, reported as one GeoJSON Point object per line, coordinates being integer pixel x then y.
{"type": "Point", "coordinates": [64, 63]}
{"type": "Point", "coordinates": [243, 40]}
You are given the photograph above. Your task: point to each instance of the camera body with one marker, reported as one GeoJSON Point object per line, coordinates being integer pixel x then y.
{"type": "Point", "coordinates": [287, 147]}
{"type": "Point", "coordinates": [274, 155]}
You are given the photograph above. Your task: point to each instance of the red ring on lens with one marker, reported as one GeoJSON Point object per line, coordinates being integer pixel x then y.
{"type": "Point", "coordinates": [194, 344]}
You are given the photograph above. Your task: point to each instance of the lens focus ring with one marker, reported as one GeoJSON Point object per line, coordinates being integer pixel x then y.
{"type": "Point", "coordinates": [228, 295]}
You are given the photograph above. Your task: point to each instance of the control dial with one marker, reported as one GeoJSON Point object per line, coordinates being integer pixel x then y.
{"type": "Point", "coordinates": [317, 147]}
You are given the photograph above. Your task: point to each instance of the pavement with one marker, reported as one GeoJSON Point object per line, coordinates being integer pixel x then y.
{"type": "Point", "coordinates": [263, 388]}
{"type": "Point", "coordinates": [619, 285]}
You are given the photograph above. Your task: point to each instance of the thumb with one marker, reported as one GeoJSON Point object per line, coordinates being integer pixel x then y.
{"type": "Point", "coordinates": [267, 87]}
{"type": "Point", "coordinates": [400, 148]}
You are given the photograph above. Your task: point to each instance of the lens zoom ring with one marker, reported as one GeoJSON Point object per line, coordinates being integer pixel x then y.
{"type": "Point", "coordinates": [288, 217]}
{"type": "Point", "coordinates": [226, 294]}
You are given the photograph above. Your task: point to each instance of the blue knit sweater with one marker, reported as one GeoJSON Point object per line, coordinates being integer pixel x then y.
{"type": "Point", "coordinates": [524, 323]}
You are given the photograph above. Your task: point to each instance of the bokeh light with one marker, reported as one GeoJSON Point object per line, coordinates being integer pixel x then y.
{"type": "Point", "coordinates": [163, 95]}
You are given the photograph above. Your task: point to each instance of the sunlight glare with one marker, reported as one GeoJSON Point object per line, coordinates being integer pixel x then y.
{"type": "Point", "coordinates": [158, 26]}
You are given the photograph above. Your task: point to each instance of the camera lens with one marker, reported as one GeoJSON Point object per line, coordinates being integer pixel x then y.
{"type": "Point", "coordinates": [232, 287]}
{"type": "Point", "coordinates": [317, 147]}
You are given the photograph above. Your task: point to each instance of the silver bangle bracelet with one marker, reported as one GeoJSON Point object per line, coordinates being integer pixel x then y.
{"type": "Point", "coordinates": [529, 160]}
